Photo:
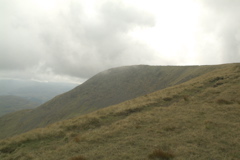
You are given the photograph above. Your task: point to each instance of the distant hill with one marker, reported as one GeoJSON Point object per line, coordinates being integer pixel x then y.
{"type": "Point", "coordinates": [14, 103]}
{"type": "Point", "coordinates": [38, 92]}
{"type": "Point", "coordinates": [195, 120]}
{"type": "Point", "coordinates": [107, 88]}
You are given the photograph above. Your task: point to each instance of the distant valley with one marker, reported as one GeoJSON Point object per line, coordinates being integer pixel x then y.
{"type": "Point", "coordinates": [25, 94]}
{"type": "Point", "coordinates": [11, 103]}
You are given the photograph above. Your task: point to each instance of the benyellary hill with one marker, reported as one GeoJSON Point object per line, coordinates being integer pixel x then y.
{"type": "Point", "coordinates": [107, 88]}
{"type": "Point", "coordinates": [195, 120]}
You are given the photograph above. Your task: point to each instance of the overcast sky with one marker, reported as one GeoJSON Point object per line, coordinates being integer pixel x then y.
{"type": "Point", "coordinates": [71, 40]}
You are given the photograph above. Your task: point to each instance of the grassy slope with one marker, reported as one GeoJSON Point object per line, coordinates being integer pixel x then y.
{"type": "Point", "coordinates": [104, 89]}
{"type": "Point", "coordinates": [198, 119]}
{"type": "Point", "coordinates": [14, 103]}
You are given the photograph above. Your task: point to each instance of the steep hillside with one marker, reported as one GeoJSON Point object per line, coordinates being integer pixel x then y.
{"type": "Point", "coordinates": [198, 119]}
{"type": "Point", "coordinates": [14, 103]}
{"type": "Point", "coordinates": [104, 89]}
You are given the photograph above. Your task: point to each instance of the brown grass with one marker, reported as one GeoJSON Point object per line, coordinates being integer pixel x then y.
{"type": "Point", "coordinates": [223, 101]}
{"type": "Point", "coordinates": [186, 98]}
{"type": "Point", "coordinates": [161, 155]}
{"type": "Point", "coordinates": [76, 139]}
{"type": "Point", "coordinates": [78, 158]}
{"type": "Point", "coordinates": [167, 99]}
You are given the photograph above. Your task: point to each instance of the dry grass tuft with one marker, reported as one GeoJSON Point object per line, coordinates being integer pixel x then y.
{"type": "Point", "coordinates": [78, 158]}
{"type": "Point", "coordinates": [223, 101]}
{"type": "Point", "coordinates": [167, 99]}
{"type": "Point", "coordinates": [159, 154]}
{"type": "Point", "coordinates": [76, 139]}
{"type": "Point", "coordinates": [186, 98]}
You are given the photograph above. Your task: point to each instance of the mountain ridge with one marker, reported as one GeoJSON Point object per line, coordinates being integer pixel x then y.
{"type": "Point", "coordinates": [197, 119]}
{"type": "Point", "coordinates": [106, 88]}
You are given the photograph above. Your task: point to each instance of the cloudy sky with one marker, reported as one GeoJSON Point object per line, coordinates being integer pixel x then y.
{"type": "Point", "coordinates": [71, 40]}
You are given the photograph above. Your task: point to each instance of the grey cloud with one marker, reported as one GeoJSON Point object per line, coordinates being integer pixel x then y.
{"type": "Point", "coordinates": [122, 17]}
{"type": "Point", "coordinates": [18, 52]}
{"type": "Point", "coordinates": [70, 42]}
{"type": "Point", "coordinates": [221, 19]}
{"type": "Point", "coordinates": [19, 47]}
{"type": "Point", "coordinates": [84, 47]}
